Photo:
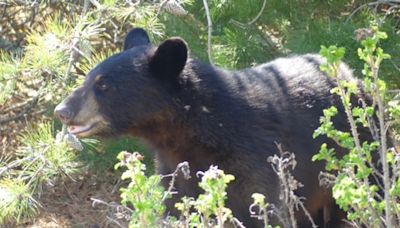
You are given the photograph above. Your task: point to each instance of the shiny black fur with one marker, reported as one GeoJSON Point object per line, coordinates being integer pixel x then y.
{"type": "Point", "coordinates": [192, 111]}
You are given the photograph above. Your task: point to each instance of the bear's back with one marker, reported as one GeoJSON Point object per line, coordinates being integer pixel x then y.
{"type": "Point", "coordinates": [284, 95]}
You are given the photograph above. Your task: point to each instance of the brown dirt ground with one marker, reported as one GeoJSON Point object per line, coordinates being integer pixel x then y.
{"type": "Point", "coordinates": [70, 205]}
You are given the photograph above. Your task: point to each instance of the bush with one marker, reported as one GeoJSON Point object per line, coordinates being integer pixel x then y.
{"type": "Point", "coordinates": [364, 180]}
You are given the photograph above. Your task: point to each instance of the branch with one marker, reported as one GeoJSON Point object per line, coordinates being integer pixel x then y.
{"type": "Point", "coordinates": [14, 107]}
{"type": "Point", "coordinates": [184, 168]}
{"type": "Point", "coordinates": [96, 3]}
{"type": "Point", "coordinates": [254, 19]}
{"type": "Point", "coordinates": [14, 164]}
{"type": "Point", "coordinates": [383, 149]}
{"type": "Point", "coordinates": [376, 3]}
{"type": "Point", "coordinates": [209, 22]}
{"type": "Point", "coordinates": [282, 165]}
{"type": "Point", "coordinates": [31, 104]}
{"type": "Point", "coordinates": [72, 59]}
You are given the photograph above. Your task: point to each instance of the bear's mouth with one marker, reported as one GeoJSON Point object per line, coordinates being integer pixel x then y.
{"type": "Point", "coordinates": [81, 130]}
{"type": "Point", "coordinates": [86, 128]}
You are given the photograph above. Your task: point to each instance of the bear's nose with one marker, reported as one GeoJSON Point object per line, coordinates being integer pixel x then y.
{"type": "Point", "coordinates": [63, 113]}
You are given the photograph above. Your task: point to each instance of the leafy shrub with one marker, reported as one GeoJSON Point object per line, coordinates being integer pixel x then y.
{"type": "Point", "coordinates": [363, 185]}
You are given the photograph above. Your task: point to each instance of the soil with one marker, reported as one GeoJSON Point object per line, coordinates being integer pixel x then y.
{"type": "Point", "coordinates": [70, 204]}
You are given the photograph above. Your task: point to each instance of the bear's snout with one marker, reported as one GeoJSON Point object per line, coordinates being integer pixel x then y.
{"type": "Point", "coordinates": [63, 113]}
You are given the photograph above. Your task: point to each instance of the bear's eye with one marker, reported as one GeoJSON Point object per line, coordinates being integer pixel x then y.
{"type": "Point", "coordinates": [101, 84]}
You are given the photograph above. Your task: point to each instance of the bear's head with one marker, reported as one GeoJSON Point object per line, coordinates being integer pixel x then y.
{"type": "Point", "coordinates": [127, 91]}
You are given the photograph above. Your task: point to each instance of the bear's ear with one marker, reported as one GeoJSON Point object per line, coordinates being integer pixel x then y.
{"type": "Point", "coordinates": [169, 59]}
{"type": "Point", "coordinates": [136, 37]}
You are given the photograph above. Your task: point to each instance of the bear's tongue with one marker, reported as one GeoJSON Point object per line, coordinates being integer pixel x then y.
{"type": "Point", "coordinates": [76, 129]}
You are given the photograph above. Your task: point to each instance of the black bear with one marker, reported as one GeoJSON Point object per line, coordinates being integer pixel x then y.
{"type": "Point", "coordinates": [192, 111]}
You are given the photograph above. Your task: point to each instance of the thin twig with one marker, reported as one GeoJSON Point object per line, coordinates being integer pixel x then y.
{"type": "Point", "coordinates": [96, 4]}
{"type": "Point", "coordinates": [259, 13]}
{"type": "Point", "coordinates": [383, 149]}
{"type": "Point", "coordinates": [116, 222]}
{"type": "Point", "coordinates": [281, 165]}
{"type": "Point", "coordinates": [14, 164]}
{"type": "Point", "coordinates": [209, 25]}
{"type": "Point", "coordinates": [238, 223]}
{"type": "Point", "coordinates": [32, 178]}
{"type": "Point", "coordinates": [371, 4]}
{"type": "Point", "coordinates": [72, 58]}
{"type": "Point", "coordinates": [254, 19]}
{"type": "Point", "coordinates": [112, 204]}
{"type": "Point", "coordinates": [355, 135]}
{"type": "Point", "coordinates": [180, 166]}
{"type": "Point", "coordinates": [35, 158]}
{"type": "Point", "coordinates": [116, 208]}
{"type": "Point", "coordinates": [14, 107]}
{"type": "Point", "coordinates": [32, 103]}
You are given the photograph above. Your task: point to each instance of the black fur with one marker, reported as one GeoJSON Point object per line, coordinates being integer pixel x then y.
{"type": "Point", "coordinates": [136, 37]}
{"type": "Point", "coordinates": [212, 116]}
{"type": "Point", "coordinates": [169, 60]}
